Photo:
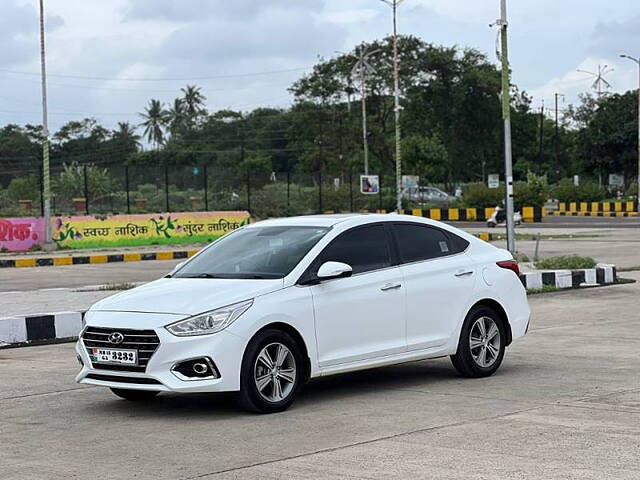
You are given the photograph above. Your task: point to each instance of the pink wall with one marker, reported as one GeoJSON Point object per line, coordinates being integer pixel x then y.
{"type": "Point", "coordinates": [19, 234]}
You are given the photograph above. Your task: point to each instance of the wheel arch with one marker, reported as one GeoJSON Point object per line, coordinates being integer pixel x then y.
{"type": "Point", "coordinates": [499, 309]}
{"type": "Point", "coordinates": [291, 330]}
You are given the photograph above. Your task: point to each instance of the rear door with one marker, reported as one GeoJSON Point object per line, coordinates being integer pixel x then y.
{"type": "Point", "coordinates": [439, 281]}
{"type": "Point", "coordinates": [362, 316]}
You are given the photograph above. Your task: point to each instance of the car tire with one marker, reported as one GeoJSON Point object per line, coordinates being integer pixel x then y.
{"type": "Point", "coordinates": [269, 382]}
{"type": "Point", "coordinates": [134, 395]}
{"type": "Point", "coordinates": [482, 344]}
{"type": "Point", "coordinates": [491, 225]}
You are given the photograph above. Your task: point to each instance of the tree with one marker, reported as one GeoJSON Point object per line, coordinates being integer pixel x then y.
{"type": "Point", "coordinates": [176, 117]}
{"type": "Point", "coordinates": [606, 141]}
{"type": "Point", "coordinates": [426, 156]}
{"type": "Point", "coordinates": [154, 118]}
{"type": "Point", "coordinates": [194, 102]}
{"type": "Point", "coordinates": [126, 132]}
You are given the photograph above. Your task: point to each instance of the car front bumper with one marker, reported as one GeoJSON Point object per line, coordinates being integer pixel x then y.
{"type": "Point", "coordinates": [224, 348]}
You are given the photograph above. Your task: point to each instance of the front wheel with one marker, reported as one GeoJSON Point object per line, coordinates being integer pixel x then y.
{"type": "Point", "coordinates": [482, 344]}
{"type": "Point", "coordinates": [272, 372]}
{"type": "Point", "coordinates": [491, 224]}
{"type": "Point", "coordinates": [134, 395]}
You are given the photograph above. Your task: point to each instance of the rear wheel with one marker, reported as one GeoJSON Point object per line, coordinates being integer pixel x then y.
{"type": "Point", "coordinates": [272, 370]}
{"type": "Point", "coordinates": [134, 395]}
{"type": "Point", "coordinates": [482, 344]}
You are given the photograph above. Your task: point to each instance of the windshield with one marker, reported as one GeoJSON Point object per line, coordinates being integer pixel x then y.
{"type": "Point", "coordinates": [260, 253]}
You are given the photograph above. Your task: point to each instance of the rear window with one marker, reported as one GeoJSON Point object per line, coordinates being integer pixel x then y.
{"type": "Point", "coordinates": [421, 242]}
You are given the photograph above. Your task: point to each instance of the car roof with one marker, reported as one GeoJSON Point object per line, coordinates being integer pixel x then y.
{"type": "Point", "coordinates": [327, 220]}
{"type": "Point", "coordinates": [346, 220]}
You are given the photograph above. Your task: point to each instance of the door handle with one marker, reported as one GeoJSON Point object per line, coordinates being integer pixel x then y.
{"type": "Point", "coordinates": [390, 286]}
{"type": "Point", "coordinates": [464, 273]}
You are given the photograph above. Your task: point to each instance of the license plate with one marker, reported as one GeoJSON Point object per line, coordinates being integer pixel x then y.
{"type": "Point", "coordinates": [114, 356]}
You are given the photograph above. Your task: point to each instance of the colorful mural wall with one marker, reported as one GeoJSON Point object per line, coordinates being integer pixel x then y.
{"type": "Point", "coordinates": [19, 234]}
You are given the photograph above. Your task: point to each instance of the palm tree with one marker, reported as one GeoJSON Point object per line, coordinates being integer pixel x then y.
{"type": "Point", "coordinates": [175, 116]}
{"type": "Point", "coordinates": [127, 133]}
{"type": "Point", "coordinates": [194, 101]}
{"type": "Point", "coordinates": [154, 119]}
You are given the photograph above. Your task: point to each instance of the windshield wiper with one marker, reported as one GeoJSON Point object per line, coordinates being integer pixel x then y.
{"type": "Point", "coordinates": [199, 275]}
{"type": "Point", "coordinates": [233, 276]}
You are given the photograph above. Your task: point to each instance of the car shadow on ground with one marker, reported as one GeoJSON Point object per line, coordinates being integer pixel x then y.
{"type": "Point", "coordinates": [420, 376]}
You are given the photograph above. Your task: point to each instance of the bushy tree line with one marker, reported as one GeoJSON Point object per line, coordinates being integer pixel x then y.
{"type": "Point", "coordinates": [451, 124]}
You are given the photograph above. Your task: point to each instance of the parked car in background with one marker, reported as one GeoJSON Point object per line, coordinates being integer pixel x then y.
{"type": "Point", "coordinates": [423, 195]}
{"type": "Point", "coordinates": [271, 305]}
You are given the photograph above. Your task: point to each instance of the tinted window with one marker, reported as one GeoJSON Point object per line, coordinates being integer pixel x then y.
{"type": "Point", "coordinates": [457, 243]}
{"type": "Point", "coordinates": [255, 252]}
{"type": "Point", "coordinates": [416, 242]}
{"type": "Point", "coordinates": [365, 249]}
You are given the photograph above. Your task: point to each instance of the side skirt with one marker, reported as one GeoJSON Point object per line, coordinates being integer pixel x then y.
{"type": "Point", "coordinates": [405, 357]}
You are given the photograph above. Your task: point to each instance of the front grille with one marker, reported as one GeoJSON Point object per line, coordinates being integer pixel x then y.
{"type": "Point", "coordinates": [114, 378]}
{"type": "Point", "coordinates": [146, 342]}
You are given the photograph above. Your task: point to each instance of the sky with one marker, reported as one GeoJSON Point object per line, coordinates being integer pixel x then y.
{"type": "Point", "coordinates": [106, 59]}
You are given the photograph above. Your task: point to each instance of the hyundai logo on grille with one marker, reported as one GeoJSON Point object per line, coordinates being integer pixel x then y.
{"type": "Point", "coordinates": [116, 338]}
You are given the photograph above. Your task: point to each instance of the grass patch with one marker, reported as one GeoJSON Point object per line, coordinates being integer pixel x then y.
{"type": "Point", "coordinates": [544, 289]}
{"type": "Point", "coordinates": [138, 242]}
{"type": "Point", "coordinates": [566, 262]}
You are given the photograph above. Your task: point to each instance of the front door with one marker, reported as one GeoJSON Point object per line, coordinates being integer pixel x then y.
{"type": "Point", "coordinates": [362, 316]}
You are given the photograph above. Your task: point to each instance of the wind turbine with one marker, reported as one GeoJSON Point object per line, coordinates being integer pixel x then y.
{"type": "Point", "coordinates": [600, 81]}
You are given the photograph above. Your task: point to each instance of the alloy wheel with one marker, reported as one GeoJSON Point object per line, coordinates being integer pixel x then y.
{"type": "Point", "coordinates": [275, 372]}
{"type": "Point", "coordinates": [485, 342]}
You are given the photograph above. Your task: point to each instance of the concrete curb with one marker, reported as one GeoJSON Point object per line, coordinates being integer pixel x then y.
{"type": "Point", "coordinates": [602, 274]}
{"type": "Point", "coordinates": [44, 328]}
{"type": "Point", "coordinates": [58, 261]}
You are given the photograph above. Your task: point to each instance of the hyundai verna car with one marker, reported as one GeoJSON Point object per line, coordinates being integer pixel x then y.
{"type": "Point", "coordinates": [269, 306]}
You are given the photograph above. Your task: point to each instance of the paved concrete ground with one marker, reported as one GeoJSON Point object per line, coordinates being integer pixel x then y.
{"type": "Point", "coordinates": [73, 276]}
{"type": "Point", "coordinates": [565, 405]}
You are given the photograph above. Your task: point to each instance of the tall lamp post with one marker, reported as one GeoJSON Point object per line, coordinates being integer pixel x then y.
{"type": "Point", "coordinates": [46, 187]}
{"type": "Point", "coordinates": [396, 94]}
{"type": "Point", "coordinates": [506, 116]}
{"type": "Point", "coordinates": [360, 72]}
{"type": "Point", "coordinates": [637, 61]}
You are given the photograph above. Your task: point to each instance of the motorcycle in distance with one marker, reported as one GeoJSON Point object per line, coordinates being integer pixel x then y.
{"type": "Point", "coordinates": [499, 217]}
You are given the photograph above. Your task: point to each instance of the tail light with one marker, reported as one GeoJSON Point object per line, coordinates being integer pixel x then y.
{"type": "Point", "coordinates": [510, 265]}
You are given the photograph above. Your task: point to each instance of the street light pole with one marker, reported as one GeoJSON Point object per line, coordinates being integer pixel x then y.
{"type": "Point", "coordinates": [45, 132]}
{"type": "Point", "coordinates": [360, 71]}
{"type": "Point", "coordinates": [637, 61]}
{"type": "Point", "coordinates": [396, 93]}
{"type": "Point", "coordinates": [556, 138]}
{"type": "Point", "coordinates": [506, 115]}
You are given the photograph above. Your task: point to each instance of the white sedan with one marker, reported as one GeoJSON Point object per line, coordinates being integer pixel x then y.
{"type": "Point", "coordinates": [271, 305]}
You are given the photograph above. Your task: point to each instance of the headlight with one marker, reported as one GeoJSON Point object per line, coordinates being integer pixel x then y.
{"type": "Point", "coordinates": [210, 322]}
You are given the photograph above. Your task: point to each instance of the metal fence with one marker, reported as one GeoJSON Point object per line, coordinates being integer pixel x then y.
{"type": "Point", "coordinates": [96, 190]}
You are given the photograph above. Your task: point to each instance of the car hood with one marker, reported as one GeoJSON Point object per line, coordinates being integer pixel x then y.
{"type": "Point", "coordinates": [186, 296]}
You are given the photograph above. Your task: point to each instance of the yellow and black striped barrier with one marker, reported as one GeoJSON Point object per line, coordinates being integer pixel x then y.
{"type": "Point", "coordinates": [597, 209]}
{"type": "Point", "coordinates": [95, 259]}
{"type": "Point", "coordinates": [529, 214]}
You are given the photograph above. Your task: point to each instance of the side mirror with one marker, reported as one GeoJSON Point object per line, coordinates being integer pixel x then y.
{"type": "Point", "coordinates": [177, 267]}
{"type": "Point", "coordinates": [330, 270]}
